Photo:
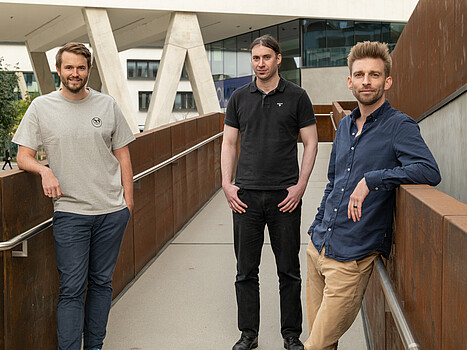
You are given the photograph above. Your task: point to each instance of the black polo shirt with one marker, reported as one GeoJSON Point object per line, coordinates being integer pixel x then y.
{"type": "Point", "coordinates": [269, 125]}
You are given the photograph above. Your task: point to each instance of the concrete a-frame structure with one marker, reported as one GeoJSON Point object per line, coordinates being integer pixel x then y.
{"type": "Point", "coordinates": [183, 43]}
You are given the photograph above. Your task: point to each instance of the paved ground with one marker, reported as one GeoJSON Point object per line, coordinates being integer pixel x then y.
{"type": "Point", "coordinates": [186, 298]}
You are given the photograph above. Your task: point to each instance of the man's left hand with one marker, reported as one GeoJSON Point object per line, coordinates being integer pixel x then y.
{"type": "Point", "coordinates": [295, 194]}
{"type": "Point", "coordinates": [354, 209]}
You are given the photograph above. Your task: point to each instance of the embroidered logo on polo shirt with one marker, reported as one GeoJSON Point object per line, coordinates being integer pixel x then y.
{"type": "Point", "coordinates": [96, 122]}
{"type": "Point", "coordinates": [280, 104]}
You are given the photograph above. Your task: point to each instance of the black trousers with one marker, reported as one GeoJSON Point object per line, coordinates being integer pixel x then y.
{"type": "Point", "coordinates": [7, 162]}
{"type": "Point", "coordinates": [284, 232]}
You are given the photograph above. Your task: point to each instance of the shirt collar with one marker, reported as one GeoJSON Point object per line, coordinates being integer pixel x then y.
{"type": "Point", "coordinates": [280, 87]}
{"type": "Point", "coordinates": [380, 112]}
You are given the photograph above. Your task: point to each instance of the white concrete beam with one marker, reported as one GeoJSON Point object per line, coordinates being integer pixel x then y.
{"type": "Point", "coordinates": [184, 43]}
{"type": "Point", "coordinates": [165, 88]}
{"type": "Point", "coordinates": [23, 89]}
{"type": "Point", "coordinates": [94, 81]}
{"type": "Point", "coordinates": [42, 72]}
{"type": "Point", "coordinates": [57, 32]}
{"type": "Point", "coordinates": [141, 32]}
{"type": "Point", "coordinates": [108, 63]}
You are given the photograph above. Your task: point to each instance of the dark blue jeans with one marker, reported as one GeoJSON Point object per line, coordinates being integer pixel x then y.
{"type": "Point", "coordinates": [284, 233]}
{"type": "Point", "coordinates": [87, 248]}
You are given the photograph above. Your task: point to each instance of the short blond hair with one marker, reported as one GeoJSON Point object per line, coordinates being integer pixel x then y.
{"type": "Point", "coordinates": [371, 49]}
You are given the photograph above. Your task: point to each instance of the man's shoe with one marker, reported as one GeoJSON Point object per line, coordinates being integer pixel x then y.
{"type": "Point", "coordinates": [246, 343]}
{"type": "Point", "coordinates": [293, 343]}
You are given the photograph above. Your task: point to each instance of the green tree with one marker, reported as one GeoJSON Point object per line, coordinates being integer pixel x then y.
{"type": "Point", "coordinates": [9, 107]}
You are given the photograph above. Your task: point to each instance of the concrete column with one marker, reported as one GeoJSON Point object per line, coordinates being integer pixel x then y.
{"type": "Point", "coordinates": [42, 72]}
{"type": "Point", "coordinates": [94, 81]}
{"type": "Point", "coordinates": [183, 43]}
{"type": "Point", "coordinates": [200, 75]}
{"type": "Point", "coordinates": [108, 62]}
{"type": "Point", "coordinates": [22, 85]}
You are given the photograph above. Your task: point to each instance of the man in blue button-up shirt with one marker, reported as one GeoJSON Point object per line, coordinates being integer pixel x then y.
{"type": "Point", "coordinates": [376, 149]}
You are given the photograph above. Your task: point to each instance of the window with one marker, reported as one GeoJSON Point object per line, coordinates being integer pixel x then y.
{"type": "Point", "coordinates": [138, 69]}
{"type": "Point", "coordinates": [183, 101]}
{"type": "Point", "coordinates": [144, 97]}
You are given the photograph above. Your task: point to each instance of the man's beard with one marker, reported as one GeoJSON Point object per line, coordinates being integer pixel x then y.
{"type": "Point", "coordinates": [74, 88]}
{"type": "Point", "coordinates": [370, 99]}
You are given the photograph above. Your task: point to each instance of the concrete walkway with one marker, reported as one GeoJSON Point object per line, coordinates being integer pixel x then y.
{"type": "Point", "coordinates": [186, 298]}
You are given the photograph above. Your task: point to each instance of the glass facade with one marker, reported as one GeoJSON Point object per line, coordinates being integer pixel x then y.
{"type": "Point", "coordinates": [304, 43]}
{"type": "Point", "coordinates": [326, 43]}
{"type": "Point", "coordinates": [230, 58]}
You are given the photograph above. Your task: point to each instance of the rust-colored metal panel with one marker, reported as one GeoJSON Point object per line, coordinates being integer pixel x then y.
{"type": "Point", "coordinates": [179, 194]}
{"type": "Point", "coordinates": [459, 38]}
{"type": "Point", "coordinates": [178, 137]}
{"type": "Point", "coordinates": [164, 206]}
{"type": "Point", "coordinates": [454, 335]}
{"type": "Point", "coordinates": [31, 296]}
{"type": "Point", "coordinates": [144, 216]}
{"type": "Point", "coordinates": [125, 269]}
{"type": "Point", "coordinates": [205, 173]}
{"type": "Point", "coordinates": [191, 132]}
{"type": "Point", "coordinates": [143, 151]}
{"type": "Point", "coordinates": [325, 129]}
{"type": "Point", "coordinates": [30, 284]}
{"type": "Point", "coordinates": [192, 179]}
{"type": "Point", "coordinates": [422, 253]}
{"type": "Point", "coordinates": [163, 145]}
{"type": "Point", "coordinates": [429, 58]}
{"type": "Point", "coordinates": [204, 128]}
{"type": "Point", "coordinates": [433, 13]}
{"type": "Point", "coordinates": [23, 198]}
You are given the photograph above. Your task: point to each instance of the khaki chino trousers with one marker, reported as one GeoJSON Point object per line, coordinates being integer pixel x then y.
{"type": "Point", "coordinates": [334, 294]}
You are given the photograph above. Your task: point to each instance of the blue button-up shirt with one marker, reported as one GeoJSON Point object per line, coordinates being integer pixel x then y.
{"type": "Point", "coordinates": [388, 152]}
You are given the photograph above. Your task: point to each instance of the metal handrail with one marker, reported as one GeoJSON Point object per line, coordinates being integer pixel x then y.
{"type": "Point", "coordinates": [23, 237]}
{"type": "Point", "coordinates": [402, 325]}
{"type": "Point", "coordinates": [331, 115]}
{"type": "Point", "coordinates": [176, 157]}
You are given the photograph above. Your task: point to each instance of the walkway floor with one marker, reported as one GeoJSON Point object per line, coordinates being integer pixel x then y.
{"type": "Point", "coordinates": [186, 298]}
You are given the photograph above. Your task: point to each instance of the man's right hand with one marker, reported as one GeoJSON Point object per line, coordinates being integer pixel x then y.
{"type": "Point", "coordinates": [235, 203]}
{"type": "Point", "coordinates": [50, 184]}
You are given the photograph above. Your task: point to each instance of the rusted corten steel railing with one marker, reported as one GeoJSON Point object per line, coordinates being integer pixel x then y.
{"type": "Point", "coordinates": [23, 237]}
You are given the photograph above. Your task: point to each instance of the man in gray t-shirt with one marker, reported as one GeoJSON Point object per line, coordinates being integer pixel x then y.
{"type": "Point", "coordinates": [90, 180]}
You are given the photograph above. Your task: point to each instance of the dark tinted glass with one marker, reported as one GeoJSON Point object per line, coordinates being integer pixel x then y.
{"type": "Point", "coordinates": [367, 31]}
{"type": "Point", "coordinates": [339, 33]}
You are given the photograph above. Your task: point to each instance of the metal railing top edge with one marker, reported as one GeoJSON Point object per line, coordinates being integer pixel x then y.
{"type": "Point", "coordinates": [23, 237]}
{"type": "Point", "coordinates": [402, 325]}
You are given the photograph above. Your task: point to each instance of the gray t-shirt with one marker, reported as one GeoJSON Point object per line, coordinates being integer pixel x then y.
{"type": "Point", "coordinates": [78, 138]}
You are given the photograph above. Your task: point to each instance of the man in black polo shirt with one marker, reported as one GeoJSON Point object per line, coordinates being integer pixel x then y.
{"type": "Point", "coordinates": [269, 113]}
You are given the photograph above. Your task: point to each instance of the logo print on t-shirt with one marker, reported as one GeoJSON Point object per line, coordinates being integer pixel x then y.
{"type": "Point", "coordinates": [280, 104]}
{"type": "Point", "coordinates": [96, 122]}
